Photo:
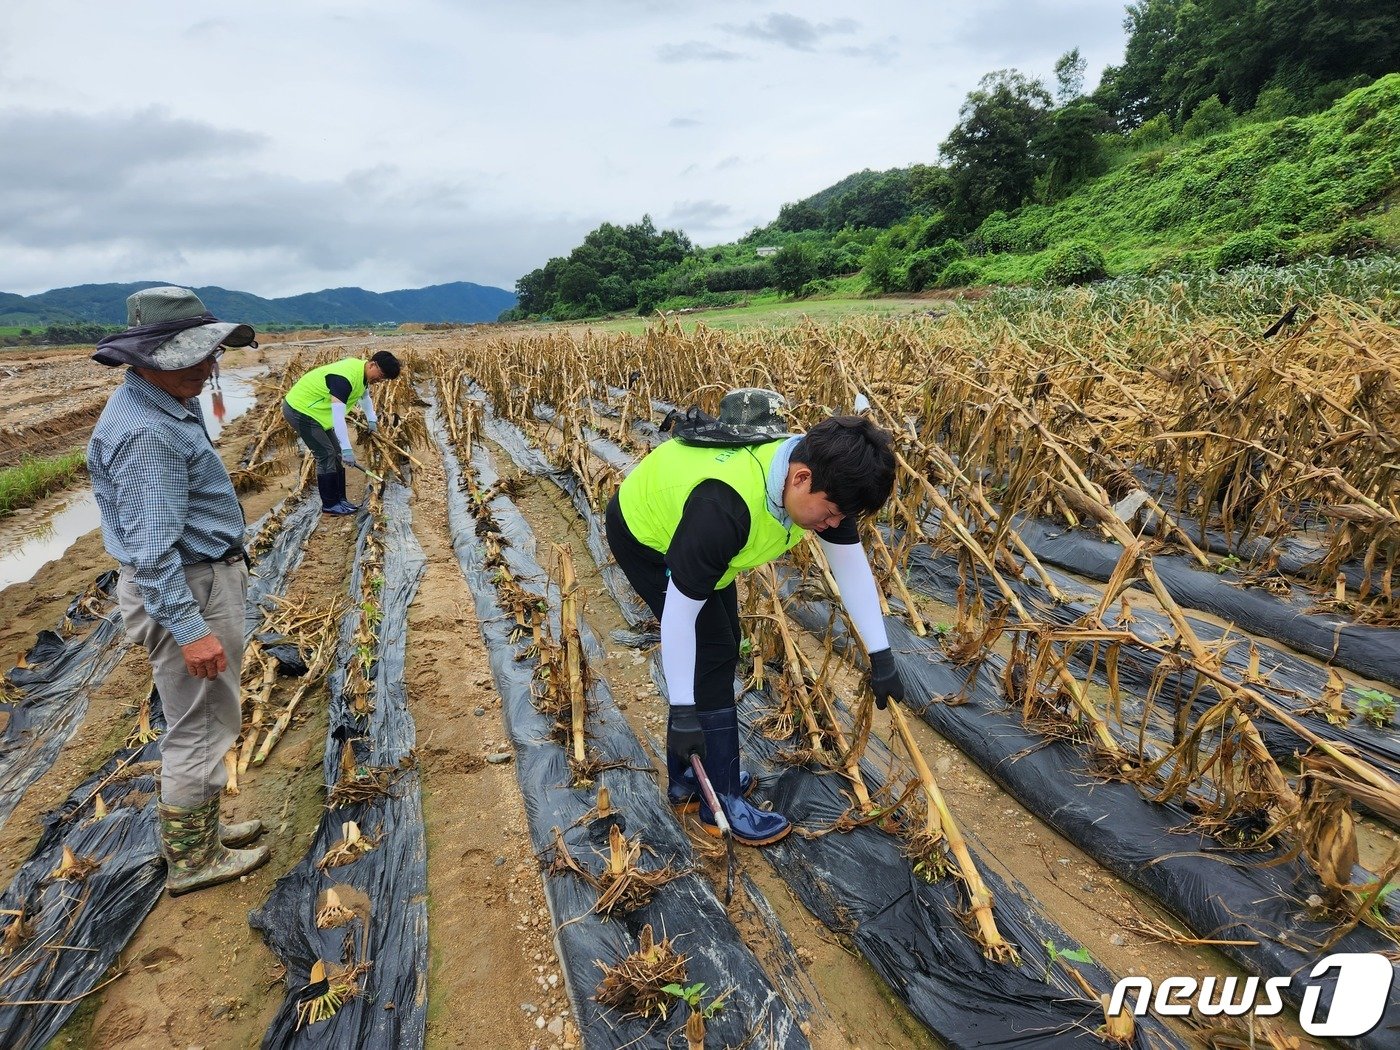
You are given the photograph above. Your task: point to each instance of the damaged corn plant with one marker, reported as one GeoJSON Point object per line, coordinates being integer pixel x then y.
{"type": "Point", "coordinates": [312, 629]}
{"type": "Point", "coordinates": [636, 985]}
{"type": "Point", "coordinates": [622, 882]}
{"type": "Point", "coordinates": [910, 802]}
{"type": "Point", "coordinates": [1172, 426]}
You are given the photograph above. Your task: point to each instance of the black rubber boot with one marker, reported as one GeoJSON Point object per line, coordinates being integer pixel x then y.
{"type": "Point", "coordinates": [343, 497]}
{"type": "Point", "coordinates": [752, 826]}
{"type": "Point", "coordinates": [682, 789]}
{"type": "Point", "coordinates": [328, 485]}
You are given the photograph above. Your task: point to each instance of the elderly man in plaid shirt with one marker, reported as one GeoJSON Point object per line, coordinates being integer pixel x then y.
{"type": "Point", "coordinates": [171, 518]}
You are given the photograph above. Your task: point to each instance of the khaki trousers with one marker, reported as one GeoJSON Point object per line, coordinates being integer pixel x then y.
{"type": "Point", "coordinates": [203, 715]}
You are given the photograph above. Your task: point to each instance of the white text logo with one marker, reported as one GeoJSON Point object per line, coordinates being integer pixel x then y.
{"type": "Point", "coordinates": [1358, 996]}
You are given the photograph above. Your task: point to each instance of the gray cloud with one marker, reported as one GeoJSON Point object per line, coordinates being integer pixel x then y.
{"type": "Point", "coordinates": [880, 51]}
{"type": "Point", "coordinates": [793, 31]}
{"type": "Point", "coordinates": [207, 29]}
{"type": "Point", "coordinates": [1024, 32]}
{"type": "Point", "coordinates": [696, 51]}
{"type": "Point", "coordinates": [684, 122]}
{"type": "Point", "coordinates": [692, 215]}
{"type": "Point", "coordinates": [733, 160]}
{"type": "Point", "coordinates": [164, 192]}
{"type": "Point", "coordinates": [44, 150]}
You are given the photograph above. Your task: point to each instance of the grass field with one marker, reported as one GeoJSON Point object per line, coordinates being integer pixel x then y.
{"type": "Point", "coordinates": [769, 311]}
{"type": "Point", "coordinates": [34, 479]}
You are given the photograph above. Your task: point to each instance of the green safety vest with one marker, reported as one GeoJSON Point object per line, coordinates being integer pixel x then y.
{"type": "Point", "coordinates": [310, 397]}
{"type": "Point", "coordinates": [653, 497]}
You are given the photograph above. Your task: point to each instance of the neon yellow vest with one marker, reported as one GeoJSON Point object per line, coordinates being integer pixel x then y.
{"type": "Point", "coordinates": [653, 497]}
{"type": "Point", "coordinates": [310, 397]}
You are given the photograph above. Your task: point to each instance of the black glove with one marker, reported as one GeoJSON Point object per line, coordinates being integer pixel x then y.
{"type": "Point", "coordinates": [885, 682]}
{"type": "Point", "coordinates": [684, 737]}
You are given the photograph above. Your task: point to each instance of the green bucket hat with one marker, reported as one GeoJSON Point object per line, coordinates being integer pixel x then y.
{"type": "Point", "coordinates": [169, 328]}
{"type": "Point", "coordinates": [755, 411]}
{"type": "Point", "coordinates": [193, 345]}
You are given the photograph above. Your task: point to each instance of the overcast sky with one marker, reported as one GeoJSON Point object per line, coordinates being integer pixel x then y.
{"type": "Point", "coordinates": [285, 147]}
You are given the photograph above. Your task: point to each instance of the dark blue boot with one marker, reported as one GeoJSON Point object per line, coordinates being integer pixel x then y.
{"type": "Point", "coordinates": [752, 826]}
{"type": "Point", "coordinates": [682, 790]}
{"type": "Point", "coordinates": [329, 487]}
{"type": "Point", "coordinates": [340, 479]}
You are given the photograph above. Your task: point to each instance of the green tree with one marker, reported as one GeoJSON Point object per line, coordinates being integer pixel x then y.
{"type": "Point", "coordinates": [878, 204]}
{"type": "Point", "coordinates": [991, 154]}
{"type": "Point", "coordinates": [606, 272]}
{"type": "Point", "coordinates": [1069, 76]}
{"type": "Point", "coordinates": [793, 267]}
{"type": "Point", "coordinates": [1071, 147]}
{"type": "Point", "coordinates": [1209, 117]}
{"type": "Point", "coordinates": [577, 282]}
{"type": "Point", "coordinates": [1151, 49]}
{"type": "Point", "coordinates": [1181, 52]}
{"type": "Point", "coordinates": [799, 216]}
{"type": "Point", "coordinates": [930, 188]}
{"type": "Point", "coordinates": [1311, 44]}
{"type": "Point", "coordinates": [882, 264]}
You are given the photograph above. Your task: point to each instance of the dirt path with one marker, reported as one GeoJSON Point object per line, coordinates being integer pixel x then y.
{"type": "Point", "coordinates": [488, 930]}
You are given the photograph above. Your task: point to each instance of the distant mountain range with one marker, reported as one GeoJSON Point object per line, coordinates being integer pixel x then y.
{"type": "Point", "coordinates": [106, 304]}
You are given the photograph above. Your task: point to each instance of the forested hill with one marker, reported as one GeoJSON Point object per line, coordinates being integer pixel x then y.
{"type": "Point", "coordinates": [1234, 131]}
{"type": "Point", "coordinates": [105, 304]}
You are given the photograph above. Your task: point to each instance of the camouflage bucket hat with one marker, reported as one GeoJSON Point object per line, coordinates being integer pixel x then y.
{"type": "Point", "coordinates": [169, 304]}
{"type": "Point", "coordinates": [754, 410]}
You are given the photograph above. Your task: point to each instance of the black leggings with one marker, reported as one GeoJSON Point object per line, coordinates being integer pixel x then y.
{"type": "Point", "coordinates": [717, 631]}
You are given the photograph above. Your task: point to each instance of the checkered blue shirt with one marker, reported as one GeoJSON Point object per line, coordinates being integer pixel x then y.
{"type": "Point", "coordinates": [166, 499]}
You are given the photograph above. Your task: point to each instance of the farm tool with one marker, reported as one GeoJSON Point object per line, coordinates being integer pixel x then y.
{"type": "Point", "coordinates": [367, 472]}
{"type": "Point", "coordinates": [721, 821]}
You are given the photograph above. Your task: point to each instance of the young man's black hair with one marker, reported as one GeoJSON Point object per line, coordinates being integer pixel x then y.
{"type": "Point", "coordinates": [388, 364]}
{"type": "Point", "coordinates": [852, 461]}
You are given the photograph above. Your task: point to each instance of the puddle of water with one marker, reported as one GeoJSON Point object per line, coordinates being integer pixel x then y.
{"type": "Point", "coordinates": [31, 538]}
{"type": "Point", "coordinates": [234, 397]}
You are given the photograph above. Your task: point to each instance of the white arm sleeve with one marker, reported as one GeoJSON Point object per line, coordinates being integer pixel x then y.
{"type": "Point", "coordinates": [678, 617]}
{"type": "Point", "coordinates": [338, 423]}
{"type": "Point", "coordinates": [367, 407]}
{"type": "Point", "coordinates": [851, 570]}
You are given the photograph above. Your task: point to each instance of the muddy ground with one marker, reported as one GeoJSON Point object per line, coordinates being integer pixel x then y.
{"type": "Point", "coordinates": [196, 975]}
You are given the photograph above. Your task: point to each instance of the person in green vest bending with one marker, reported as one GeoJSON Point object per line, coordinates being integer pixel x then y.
{"type": "Point", "coordinates": [691, 517]}
{"type": "Point", "coordinates": [315, 408]}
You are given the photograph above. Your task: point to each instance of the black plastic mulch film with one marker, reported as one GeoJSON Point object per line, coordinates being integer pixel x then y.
{"type": "Point", "coordinates": [634, 610]}
{"type": "Point", "coordinates": [685, 908]}
{"type": "Point", "coordinates": [1217, 892]}
{"type": "Point", "coordinates": [1298, 553]}
{"type": "Point", "coordinates": [1288, 680]}
{"type": "Point", "coordinates": [47, 697]}
{"type": "Point", "coordinates": [391, 1007]}
{"type": "Point", "coordinates": [911, 931]}
{"type": "Point", "coordinates": [95, 912]}
{"type": "Point", "coordinates": [1370, 651]}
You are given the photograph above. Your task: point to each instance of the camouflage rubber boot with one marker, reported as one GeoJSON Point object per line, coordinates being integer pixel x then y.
{"type": "Point", "coordinates": [240, 833]}
{"type": "Point", "coordinates": [194, 857]}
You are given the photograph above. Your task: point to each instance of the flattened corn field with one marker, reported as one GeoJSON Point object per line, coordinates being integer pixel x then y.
{"type": "Point", "coordinates": [1140, 582]}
